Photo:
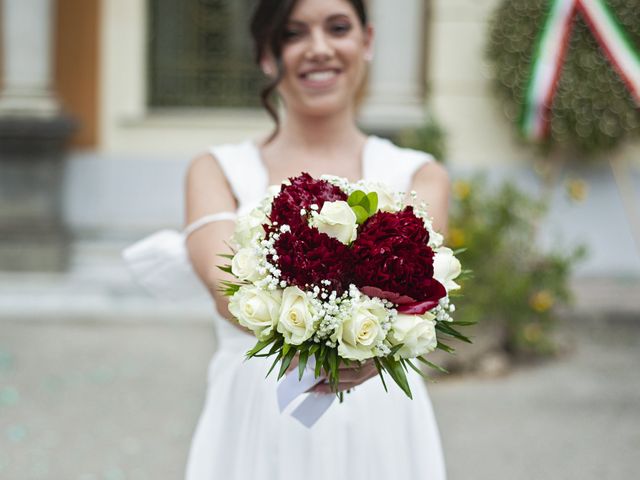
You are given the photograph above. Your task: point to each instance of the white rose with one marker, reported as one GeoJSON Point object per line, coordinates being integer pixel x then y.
{"type": "Point", "coordinates": [417, 333]}
{"type": "Point", "coordinates": [248, 229]}
{"type": "Point", "coordinates": [361, 331]}
{"type": "Point", "coordinates": [337, 220]}
{"type": "Point", "coordinates": [387, 198]}
{"type": "Point", "coordinates": [446, 268]}
{"type": "Point", "coordinates": [295, 321]}
{"type": "Point", "coordinates": [245, 265]}
{"type": "Point", "coordinates": [272, 192]}
{"type": "Point", "coordinates": [256, 309]}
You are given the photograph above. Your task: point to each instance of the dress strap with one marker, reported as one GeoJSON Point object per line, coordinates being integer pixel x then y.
{"type": "Point", "coordinates": [393, 165]}
{"type": "Point", "coordinates": [245, 172]}
{"type": "Point", "coordinates": [206, 220]}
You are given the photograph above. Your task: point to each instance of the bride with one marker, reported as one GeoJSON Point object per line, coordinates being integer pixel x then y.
{"type": "Point", "coordinates": [315, 53]}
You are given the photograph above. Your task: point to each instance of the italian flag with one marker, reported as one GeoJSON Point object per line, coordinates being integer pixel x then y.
{"type": "Point", "coordinates": [551, 49]}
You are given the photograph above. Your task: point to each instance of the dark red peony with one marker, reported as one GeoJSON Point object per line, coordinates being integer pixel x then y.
{"type": "Point", "coordinates": [307, 256]}
{"type": "Point", "coordinates": [392, 258]}
{"type": "Point", "coordinates": [303, 192]}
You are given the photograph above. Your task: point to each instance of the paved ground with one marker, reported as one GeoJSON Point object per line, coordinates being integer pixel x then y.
{"type": "Point", "coordinates": [87, 400]}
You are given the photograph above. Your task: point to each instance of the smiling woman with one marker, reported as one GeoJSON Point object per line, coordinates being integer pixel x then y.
{"type": "Point", "coordinates": [315, 54]}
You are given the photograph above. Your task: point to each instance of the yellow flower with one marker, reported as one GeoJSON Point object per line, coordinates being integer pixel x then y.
{"type": "Point", "coordinates": [577, 190]}
{"type": "Point", "coordinates": [542, 301]}
{"type": "Point", "coordinates": [456, 238]}
{"type": "Point", "coordinates": [461, 189]}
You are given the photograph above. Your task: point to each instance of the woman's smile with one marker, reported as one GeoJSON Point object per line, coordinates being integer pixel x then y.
{"type": "Point", "coordinates": [320, 79]}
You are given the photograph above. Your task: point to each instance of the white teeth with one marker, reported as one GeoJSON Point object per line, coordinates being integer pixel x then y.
{"type": "Point", "coordinates": [320, 76]}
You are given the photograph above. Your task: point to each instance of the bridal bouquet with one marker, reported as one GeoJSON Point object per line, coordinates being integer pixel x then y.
{"type": "Point", "coordinates": [336, 273]}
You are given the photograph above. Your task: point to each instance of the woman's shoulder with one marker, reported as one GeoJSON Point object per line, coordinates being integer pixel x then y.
{"type": "Point", "coordinates": [399, 166]}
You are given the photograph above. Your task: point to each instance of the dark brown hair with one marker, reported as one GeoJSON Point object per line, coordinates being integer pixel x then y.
{"type": "Point", "coordinates": [267, 29]}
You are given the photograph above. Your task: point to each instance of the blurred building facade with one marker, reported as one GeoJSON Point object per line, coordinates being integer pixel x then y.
{"type": "Point", "coordinates": [148, 82]}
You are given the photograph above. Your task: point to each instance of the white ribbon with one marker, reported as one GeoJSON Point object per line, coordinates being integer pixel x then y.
{"type": "Point", "coordinates": [314, 405]}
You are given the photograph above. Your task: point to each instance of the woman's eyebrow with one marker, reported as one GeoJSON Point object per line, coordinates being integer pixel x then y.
{"type": "Point", "coordinates": [335, 16]}
{"type": "Point", "coordinates": [296, 22]}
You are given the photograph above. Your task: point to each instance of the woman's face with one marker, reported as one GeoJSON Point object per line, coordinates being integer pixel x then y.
{"type": "Point", "coordinates": [324, 54]}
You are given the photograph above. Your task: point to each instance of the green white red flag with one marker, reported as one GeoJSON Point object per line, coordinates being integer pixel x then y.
{"type": "Point", "coordinates": [550, 54]}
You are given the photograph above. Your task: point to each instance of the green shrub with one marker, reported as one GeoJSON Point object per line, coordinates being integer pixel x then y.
{"type": "Point", "coordinates": [430, 138]}
{"type": "Point", "coordinates": [513, 282]}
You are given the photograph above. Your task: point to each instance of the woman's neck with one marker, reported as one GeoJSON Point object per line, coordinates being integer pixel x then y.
{"type": "Point", "coordinates": [313, 133]}
{"type": "Point", "coordinates": [316, 145]}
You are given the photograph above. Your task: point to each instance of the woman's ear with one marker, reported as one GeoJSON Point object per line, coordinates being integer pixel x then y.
{"type": "Point", "coordinates": [368, 42]}
{"type": "Point", "coordinates": [268, 67]}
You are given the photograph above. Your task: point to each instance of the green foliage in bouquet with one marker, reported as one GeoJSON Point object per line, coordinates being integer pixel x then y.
{"type": "Point", "coordinates": [513, 281]}
{"type": "Point", "coordinates": [364, 205]}
{"type": "Point", "coordinates": [328, 361]}
{"type": "Point", "coordinates": [593, 110]}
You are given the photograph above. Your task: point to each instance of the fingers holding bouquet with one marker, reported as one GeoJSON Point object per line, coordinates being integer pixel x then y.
{"type": "Point", "coordinates": [350, 377]}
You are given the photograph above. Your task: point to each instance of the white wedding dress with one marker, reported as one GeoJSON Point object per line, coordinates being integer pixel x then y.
{"type": "Point", "coordinates": [372, 435]}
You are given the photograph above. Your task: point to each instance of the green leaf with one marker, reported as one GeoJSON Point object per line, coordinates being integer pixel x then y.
{"type": "Point", "coordinates": [226, 255]}
{"type": "Point", "coordinates": [259, 346]}
{"type": "Point", "coordinates": [276, 345]}
{"type": "Point", "coordinates": [380, 370]}
{"type": "Point", "coordinates": [463, 324]}
{"type": "Point", "coordinates": [320, 356]}
{"type": "Point", "coordinates": [395, 349]}
{"type": "Point", "coordinates": [397, 374]}
{"type": "Point", "coordinates": [459, 251]}
{"type": "Point", "coordinates": [416, 369]}
{"type": "Point", "coordinates": [373, 203]}
{"type": "Point", "coordinates": [365, 203]}
{"type": "Point", "coordinates": [314, 348]}
{"type": "Point", "coordinates": [302, 363]}
{"type": "Point", "coordinates": [446, 329]}
{"type": "Point", "coordinates": [355, 198]}
{"type": "Point", "coordinates": [361, 214]}
{"type": "Point", "coordinates": [332, 359]}
{"type": "Point", "coordinates": [225, 268]}
{"type": "Point", "coordinates": [229, 289]}
{"type": "Point", "coordinates": [286, 361]}
{"type": "Point", "coordinates": [446, 348]}
{"type": "Point", "coordinates": [432, 365]}
{"type": "Point", "coordinates": [275, 362]}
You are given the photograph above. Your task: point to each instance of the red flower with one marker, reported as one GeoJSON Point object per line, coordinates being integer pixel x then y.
{"type": "Point", "coordinates": [303, 192]}
{"type": "Point", "coordinates": [306, 256]}
{"type": "Point", "coordinates": [391, 254]}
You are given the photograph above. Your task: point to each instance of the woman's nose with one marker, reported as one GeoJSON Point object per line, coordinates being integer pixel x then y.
{"type": "Point", "coordinates": [320, 46]}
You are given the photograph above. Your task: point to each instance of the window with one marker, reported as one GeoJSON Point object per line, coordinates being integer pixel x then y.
{"type": "Point", "coordinates": [201, 55]}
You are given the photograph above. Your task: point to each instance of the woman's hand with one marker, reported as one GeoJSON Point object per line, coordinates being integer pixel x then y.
{"type": "Point", "coordinates": [350, 377]}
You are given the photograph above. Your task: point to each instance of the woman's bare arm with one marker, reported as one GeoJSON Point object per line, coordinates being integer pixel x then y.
{"type": "Point", "coordinates": [432, 184]}
{"type": "Point", "coordinates": [207, 191]}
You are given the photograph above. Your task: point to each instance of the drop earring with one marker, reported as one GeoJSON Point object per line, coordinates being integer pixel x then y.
{"type": "Point", "coordinates": [267, 68]}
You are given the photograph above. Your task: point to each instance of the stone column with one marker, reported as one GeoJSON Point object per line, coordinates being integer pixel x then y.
{"type": "Point", "coordinates": [28, 50]}
{"type": "Point", "coordinates": [396, 91]}
{"type": "Point", "coordinates": [33, 136]}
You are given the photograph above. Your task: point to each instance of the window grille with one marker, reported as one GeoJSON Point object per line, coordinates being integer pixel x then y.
{"type": "Point", "coordinates": [200, 54]}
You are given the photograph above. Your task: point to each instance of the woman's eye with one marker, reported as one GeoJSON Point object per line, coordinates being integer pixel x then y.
{"type": "Point", "coordinates": [291, 34]}
{"type": "Point", "coordinates": [340, 28]}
